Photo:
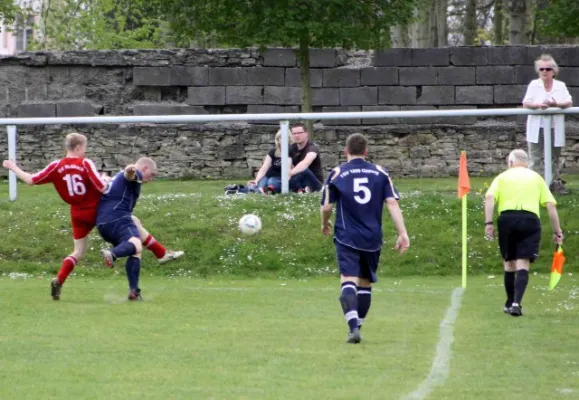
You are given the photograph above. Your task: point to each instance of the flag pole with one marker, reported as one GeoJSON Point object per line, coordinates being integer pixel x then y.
{"type": "Point", "coordinates": [463, 189]}
{"type": "Point", "coordinates": [464, 241]}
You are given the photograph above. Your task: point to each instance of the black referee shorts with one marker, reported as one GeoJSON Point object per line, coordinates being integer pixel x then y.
{"type": "Point", "coordinates": [519, 235]}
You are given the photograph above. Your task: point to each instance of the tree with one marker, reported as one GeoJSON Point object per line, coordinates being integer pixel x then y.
{"type": "Point", "coordinates": [520, 17]}
{"type": "Point", "coordinates": [470, 25]}
{"type": "Point", "coordinates": [559, 18]}
{"type": "Point", "coordinates": [498, 22]}
{"type": "Point", "coordinates": [8, 12]}
{"type": "Point", "coordinates": [302, 23]}
{"type": "Point", "coordinates": [441, 7]}
{"type": "Point", "coordinates": [100, 24]}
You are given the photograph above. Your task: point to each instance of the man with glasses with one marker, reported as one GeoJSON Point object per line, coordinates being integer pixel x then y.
{"type": "Point", "coordinates": [307, 174]}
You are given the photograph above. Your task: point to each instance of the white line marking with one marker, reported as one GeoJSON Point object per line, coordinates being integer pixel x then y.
{"type": "Point", "coordinates": [441, 364]}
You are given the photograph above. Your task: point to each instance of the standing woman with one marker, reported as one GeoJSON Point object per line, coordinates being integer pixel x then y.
{"type": "Point", "coordinates": [541, 94]}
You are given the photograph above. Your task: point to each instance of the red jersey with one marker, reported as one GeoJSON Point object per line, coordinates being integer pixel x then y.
{"type": "Point", "coordinates": [76, 180]}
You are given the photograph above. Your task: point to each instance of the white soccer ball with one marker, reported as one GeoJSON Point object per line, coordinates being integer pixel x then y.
{"type": "Point", "coordinates": [250, 224]}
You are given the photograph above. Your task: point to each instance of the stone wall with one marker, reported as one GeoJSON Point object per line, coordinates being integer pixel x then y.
{"type": "Point", "coordinates": [249, 81]}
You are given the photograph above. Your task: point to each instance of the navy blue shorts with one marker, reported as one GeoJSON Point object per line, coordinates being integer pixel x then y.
{"type": "Point", "coordinates": [352, 262]}
{"type": "Point", "coordinates": [118, 231]}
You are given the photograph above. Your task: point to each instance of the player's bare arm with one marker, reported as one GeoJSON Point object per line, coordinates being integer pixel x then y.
{"type": "Point", "coordinates": [24, 176]}
{"type": "Point", "coordinates": [326, 213]}
{"type": "Point", "coordinates": [304, 164]}
{"type": "Point", "coordinates": [402, 241]}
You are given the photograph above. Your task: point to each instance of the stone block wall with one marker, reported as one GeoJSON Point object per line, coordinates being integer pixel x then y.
{"type": "Point", "coordinates": [188, 81]}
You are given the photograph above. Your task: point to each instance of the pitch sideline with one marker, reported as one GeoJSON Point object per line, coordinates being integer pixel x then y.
{"type": "Point", "coordinates": [441, 363]}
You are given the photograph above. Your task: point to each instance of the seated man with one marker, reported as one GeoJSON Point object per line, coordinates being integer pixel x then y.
{"type": "Point", "coordinates": [115, 223]}
{"type": "Point", "coordinates": [307, 174]}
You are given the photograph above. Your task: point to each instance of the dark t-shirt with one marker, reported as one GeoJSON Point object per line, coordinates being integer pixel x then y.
{"type": "Point", "coordinates": [298, 155]}
{"type": "Point", "coordinates": [359, 189]}
{"type": "Point", "coordinates": [119, 200]}
{"type": "Point", "coordinates": [275, 170]}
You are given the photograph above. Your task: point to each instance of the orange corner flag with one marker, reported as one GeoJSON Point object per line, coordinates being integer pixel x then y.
{"type": "Point", "coordinates": [463, 179]}
{"type": "Point", "coordinates": [556, 267]}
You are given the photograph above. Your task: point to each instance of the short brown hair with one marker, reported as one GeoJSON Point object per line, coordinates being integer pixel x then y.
{"type": "Point", "coordinates": [73, 140]}
{"type": "Point", "coordinates": [300, 125]}
{"type": "Point", "coordinates": [356, 144]}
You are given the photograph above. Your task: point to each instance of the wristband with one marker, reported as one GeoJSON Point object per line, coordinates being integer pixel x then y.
{"type": "Point", "coordinates": [489, 223]}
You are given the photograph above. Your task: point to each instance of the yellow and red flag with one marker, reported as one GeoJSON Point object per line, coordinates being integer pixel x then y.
{"type": "Point", "coordinates": [463, 179]}
{"type": "Point", "coordinates": [556, 267]}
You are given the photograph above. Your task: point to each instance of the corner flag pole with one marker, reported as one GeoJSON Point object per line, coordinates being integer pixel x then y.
{"type": "Point", "coordinates": [464, 241]}
{"type": "Point", "coordinates": [463, 189]}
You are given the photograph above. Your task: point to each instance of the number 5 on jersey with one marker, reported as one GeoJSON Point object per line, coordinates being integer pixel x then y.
{"type": "Point", "coordinates": [364, 195]}
{"type": "Point", "coordinates": [75, 185]}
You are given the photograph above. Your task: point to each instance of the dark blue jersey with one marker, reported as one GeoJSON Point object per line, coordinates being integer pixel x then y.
{"type": "Point", "coordinates": [359, 189]}
{"type": "Point", "coordinates": [120, 198]}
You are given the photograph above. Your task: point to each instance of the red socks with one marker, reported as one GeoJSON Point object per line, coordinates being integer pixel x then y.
{"type": "Point", "coordinates": [157, 248]}
{"type": "Point", "coordinates": [66, 268]}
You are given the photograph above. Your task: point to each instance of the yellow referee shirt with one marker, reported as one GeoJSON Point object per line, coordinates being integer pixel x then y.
{"type": "Point", "coordinates": [520, 188]}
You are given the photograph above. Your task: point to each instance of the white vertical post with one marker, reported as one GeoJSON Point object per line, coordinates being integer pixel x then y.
{"type": "Point", "coordinates": [12, 156]}
{"type": "Point", "coordinates": [284, 125]}
{"type": "Point", "coordinates": [547, 140]}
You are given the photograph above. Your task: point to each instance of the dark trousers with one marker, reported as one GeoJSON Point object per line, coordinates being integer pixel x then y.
{"type": "Point", "coordinates": [303, 180]}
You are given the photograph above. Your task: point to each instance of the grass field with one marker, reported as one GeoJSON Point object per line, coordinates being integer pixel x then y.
{"type": "Point", "coordinates": [195, 217]}
{"type": "Point", "coordinates": [271, 339]}
{"type": "Point", "coordinates": [258, 318]}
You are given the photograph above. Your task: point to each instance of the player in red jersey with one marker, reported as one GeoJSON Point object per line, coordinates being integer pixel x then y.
{"type": "Point", "coordinates": [79, 184]}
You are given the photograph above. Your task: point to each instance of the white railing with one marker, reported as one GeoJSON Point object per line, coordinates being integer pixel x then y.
{"type": "Point", "coordinates": [284, 125]}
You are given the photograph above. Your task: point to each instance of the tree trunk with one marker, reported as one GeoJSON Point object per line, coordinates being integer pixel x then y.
{"type": "Point", "coordinates": [520, 26]}
{"type": "Point", "coordinates": [306, 95]}
{"type": "Point", "coordinates": [399, 36]}
{"type": "Point", "coordinates": [419, 30]}
{"type": "Point", "coordinates": [432, 26]}
{"type": "Point", "coordinates": [470, 23]}
{"type": "Point", "coordinates": [441, 23]}
{"type": "Point", "coordinates": [498, 23]}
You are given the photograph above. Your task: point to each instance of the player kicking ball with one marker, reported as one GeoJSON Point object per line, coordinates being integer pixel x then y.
{"type": "Point", "coordinates": [78, 184]}
{"type": "Point", "coordinates": [359, 189]}
{"type": "Point", "coordinates": [115, 223]}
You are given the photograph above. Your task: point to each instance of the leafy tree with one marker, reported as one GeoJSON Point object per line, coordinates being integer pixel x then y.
{"type": "Point", "coordinates": [100, 24]}
{"type": "Point", "coordinates": [559, 18]}
{"type": "Point", "coordinates": [362, 24]}
{"type": "Point", "coordinates": [8, 12]}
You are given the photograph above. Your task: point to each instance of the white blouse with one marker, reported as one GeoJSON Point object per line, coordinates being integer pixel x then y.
{"type": "Point", "coordinates": [537, 93]}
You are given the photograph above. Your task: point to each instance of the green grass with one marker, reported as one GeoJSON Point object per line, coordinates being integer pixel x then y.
{"type": "Point", "coordinates": [281, 339]}
{"type": "Point", "coordinates": [194, 216]}
{"type": "Point", "coordinates": [264, 322]}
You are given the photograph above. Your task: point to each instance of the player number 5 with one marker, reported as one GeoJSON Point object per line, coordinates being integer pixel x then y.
{"type": "Point", "coordinates": [359, 188]}
{"type": "Point", "coordinates": [75, 185]}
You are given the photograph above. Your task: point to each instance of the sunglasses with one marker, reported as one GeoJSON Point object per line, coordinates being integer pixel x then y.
{"type": "Point", "coordinates": [545, 69]}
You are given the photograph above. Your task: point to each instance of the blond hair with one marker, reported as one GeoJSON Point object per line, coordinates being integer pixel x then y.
{"type": "Point", "coordinates": [278, 143]}
{"type": "Point", "coordinates": [548, 59]}
{"type": "Point", "coordinates": [73, 140]}
{"type": "Point", "coordinates": [147, 162]}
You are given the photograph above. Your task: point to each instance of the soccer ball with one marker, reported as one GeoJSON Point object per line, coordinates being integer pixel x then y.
{"type": "Point", "coordinates": [250, 224]}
